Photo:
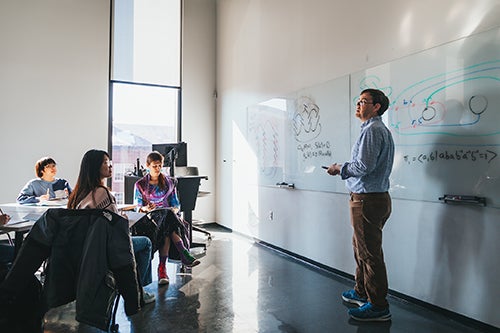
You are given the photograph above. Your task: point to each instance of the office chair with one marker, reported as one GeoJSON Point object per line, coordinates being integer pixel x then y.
{"type": "Point", "coordinates": [129, 188]}
{"type": "Point", "coordinates": [193, 171]}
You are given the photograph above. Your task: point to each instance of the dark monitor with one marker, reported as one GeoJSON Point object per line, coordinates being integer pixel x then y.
{"type": "Point", "coordinates": [172, 151]}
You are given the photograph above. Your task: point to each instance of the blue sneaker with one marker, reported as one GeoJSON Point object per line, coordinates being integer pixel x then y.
{"type": "Point", "coordinates": [368, 312]}
{"type": "Point", "coordinates": [352, 297]}
{"type": "Point", "coordinates": [148, 297]}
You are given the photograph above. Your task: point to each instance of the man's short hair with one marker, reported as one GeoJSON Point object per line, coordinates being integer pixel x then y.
{"type": "Point", "coordinates": [378, 97]}
{"type": "Point", "coordinates": [41, 164]}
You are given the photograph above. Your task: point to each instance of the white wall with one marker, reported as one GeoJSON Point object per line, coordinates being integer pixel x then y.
{"type": "Point", "coordinates": [53, 86]}
{"type": "Point", "coordinates": [198, 102]}
{"type": "Point", "coordinates": [443, 255]}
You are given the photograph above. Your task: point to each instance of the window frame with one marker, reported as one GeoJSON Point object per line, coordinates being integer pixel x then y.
{"type": "Point", "coordinates": [144, 84]}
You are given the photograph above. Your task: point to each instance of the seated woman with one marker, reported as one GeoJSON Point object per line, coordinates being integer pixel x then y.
{"type": "Point", "coordinates": [46, 186]}
{"type": "Point", "coordinates": [91, 193]}
{"type": "Point", "coordinates": [155, 191]}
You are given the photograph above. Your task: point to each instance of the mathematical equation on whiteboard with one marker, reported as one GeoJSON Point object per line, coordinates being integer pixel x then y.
{"type": "Point", "coordinates": [476, 155]}
{"type": "Point", "coordinates": [317, 149]}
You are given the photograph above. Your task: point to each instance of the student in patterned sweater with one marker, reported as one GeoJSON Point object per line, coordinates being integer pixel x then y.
{"type": "Point", "coordinates": [157, 193]}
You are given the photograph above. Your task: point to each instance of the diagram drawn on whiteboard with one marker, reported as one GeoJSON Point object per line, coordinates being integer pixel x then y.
{"type": "Point", "coordinates": [306, 120]}
{"type": "Point", "coordinates": [458, 103]}
{"type": "Point", "coordinates": [266, 127]}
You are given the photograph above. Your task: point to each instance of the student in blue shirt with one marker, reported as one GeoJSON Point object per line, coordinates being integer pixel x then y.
{"type": "Point", "coordinates": [367, 179]}
{"type": "Point", "coordinates": [46, 186]}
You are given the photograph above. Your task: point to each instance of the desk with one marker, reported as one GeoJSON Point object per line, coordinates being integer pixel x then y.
{"type": "Point", "coordinates": [19, 229]}
{"type": "Point", "coordinates": [18, 212]}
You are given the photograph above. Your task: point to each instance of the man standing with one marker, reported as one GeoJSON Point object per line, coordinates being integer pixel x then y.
{"type": "Point", "coordinates": [367, 179]}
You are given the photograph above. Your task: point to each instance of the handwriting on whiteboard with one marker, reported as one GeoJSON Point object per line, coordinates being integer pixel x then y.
{"type": "Point", "coordinates": [472, 155]}
{"type": "Point", "coordinates": [315, 150]}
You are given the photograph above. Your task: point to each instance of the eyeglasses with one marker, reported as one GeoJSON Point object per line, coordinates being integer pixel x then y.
{"type": "Point", "coordinates": [363, 102]}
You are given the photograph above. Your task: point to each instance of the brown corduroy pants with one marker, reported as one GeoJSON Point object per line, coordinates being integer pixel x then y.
{"type": "Point", "coordinates": [369, 212]}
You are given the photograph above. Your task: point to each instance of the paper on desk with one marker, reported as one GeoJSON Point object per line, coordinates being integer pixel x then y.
{"type": "Point", "coordinates": [133, 217]}
{"type": "Point", "coordinates": [16, 221]}
{"type": "Point", "coordinates": [32, 216]}
{"type": "Point", "coordinates": [53, 202]}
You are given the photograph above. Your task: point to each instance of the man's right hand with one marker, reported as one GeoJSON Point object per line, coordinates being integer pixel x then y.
{"type": "Point", "coordinates": [334, 169]}
{"type": "Point", "coordinates": [45, 197]}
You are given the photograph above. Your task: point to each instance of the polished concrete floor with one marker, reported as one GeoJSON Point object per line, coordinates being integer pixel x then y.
{"type": "Point", "coordinates": [243, 287]}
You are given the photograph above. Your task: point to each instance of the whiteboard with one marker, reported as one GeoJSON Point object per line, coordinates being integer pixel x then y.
{"type": "Point", "coordinates": [292, 137]}
{"type": "Point", "coordinates": [444, 115]}
{"type": "Point", "coordinates": [319, 132]}
{"type": "Point", "coordinates": [266, 127]}
{"type": "Point", "coordinates": [445, 118]}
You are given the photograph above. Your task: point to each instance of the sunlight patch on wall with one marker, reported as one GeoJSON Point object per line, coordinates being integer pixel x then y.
{"type": "Point", "coordinates": [245, 191]}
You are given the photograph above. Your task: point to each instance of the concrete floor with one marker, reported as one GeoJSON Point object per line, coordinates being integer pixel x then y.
{"type": "Point", "coordinates": [243, 287]}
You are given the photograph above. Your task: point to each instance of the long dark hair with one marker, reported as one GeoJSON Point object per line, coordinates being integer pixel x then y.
{"type": "Point", "coordinates": [89, 177]}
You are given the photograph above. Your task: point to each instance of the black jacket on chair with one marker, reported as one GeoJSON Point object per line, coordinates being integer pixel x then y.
{"type": "Point", "coordinates": [90, 259]}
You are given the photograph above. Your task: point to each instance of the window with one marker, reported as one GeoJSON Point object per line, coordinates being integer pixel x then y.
{"type": "Point", "coordinates": [145, 81]}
